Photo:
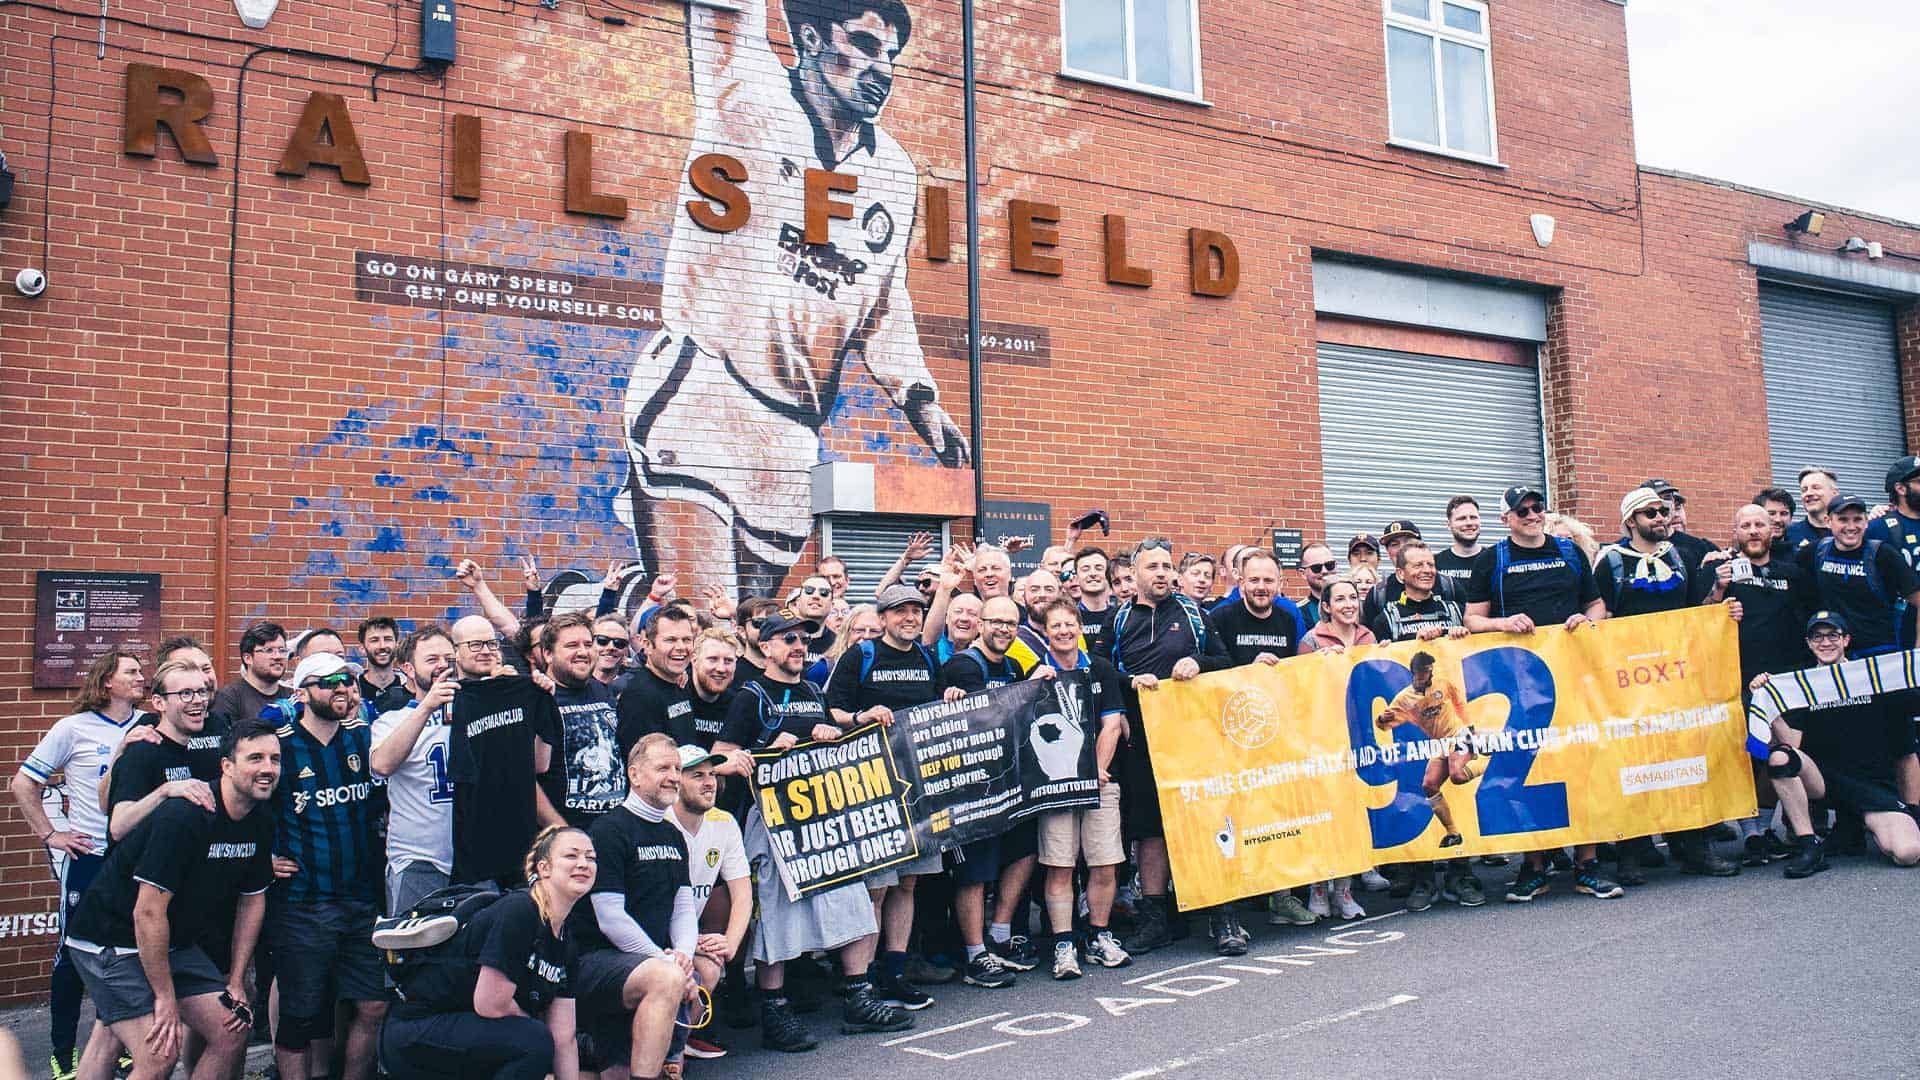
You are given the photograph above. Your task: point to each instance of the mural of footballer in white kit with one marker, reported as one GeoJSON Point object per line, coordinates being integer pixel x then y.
{"type": "Point", "coordinates": [759, 328]}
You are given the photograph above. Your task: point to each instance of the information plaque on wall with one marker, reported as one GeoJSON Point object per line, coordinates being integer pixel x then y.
{"type": "Point", "coordinates": [83, 614]}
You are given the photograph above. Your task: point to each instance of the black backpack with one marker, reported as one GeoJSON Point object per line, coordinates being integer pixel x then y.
{"type": "Point", "coordinates": [423, 972]}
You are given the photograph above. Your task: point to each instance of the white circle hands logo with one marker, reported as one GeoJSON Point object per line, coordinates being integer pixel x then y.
{"type": "Point", "coordinates": [1056, 745]}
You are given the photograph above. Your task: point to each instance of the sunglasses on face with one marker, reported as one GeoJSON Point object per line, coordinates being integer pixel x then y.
{"type": "Point", "coordinates": [1653, 512]}
{"type": "Point", "coordinates": [789, 638]}
{"type": "Point", "coordinates": [336, 681]}
{"type": "Point", "coordinates": [815, 590]}
{"type": "Point", "coordinates": [1530, 510]}
{"type": "Point", "coordinates": [604, 641]}
{"type": "Point", "coordinates": [1320, 567]}
{"type": "Point", "coordinates": [924, 584]}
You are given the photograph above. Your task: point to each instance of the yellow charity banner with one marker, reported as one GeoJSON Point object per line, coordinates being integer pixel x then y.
{"type": "Point", "coordinates": [1323, 765]}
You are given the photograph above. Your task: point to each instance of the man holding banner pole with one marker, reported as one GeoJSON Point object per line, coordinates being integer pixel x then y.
{"type": "Point", "coordinates": [1528, 580]}
{"type": "Point", "coordinates": [775, 710]}
{"type": "Point", "coordinates": [1066, 836]}
{"type": "Point", "coordinates": [1833, 743]}
{"type": "Point", "coordinates": [1161, 634]}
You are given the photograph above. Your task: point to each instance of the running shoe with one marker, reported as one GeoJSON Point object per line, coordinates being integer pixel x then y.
{"type": "Point", "coordinates": [902, 994]}
{"type": "Point", "coordinates": [1374, 881]}
{"type": "Point", "coordinates": [1529, 884]}
{"type": "Point", "coordinates": [1595, 884]}
{"type": "Point", "coordinates": [987, 971]}
{"type": "Point", "coordinates": [1343, 899]}
{"type": "Point", "coordinates": [1421, 898]}
{"type": "Point", "coordinates": [1465, 890]}
{"type": "Point", "coordinates": [1317, 900]}
{"type": "Point", "coordinates": [1016, 952]}
{"type": "Point", "coordinates": [1066, 966]}
{"type": "Point", "coordinates": [704, 1049]}
{"type": "Point", "coordinates": [1104, 949]}
{"type": "Point", "coordinates": [1285, 909]}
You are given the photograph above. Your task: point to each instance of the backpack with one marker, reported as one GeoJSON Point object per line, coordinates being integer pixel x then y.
{"type": "Point", "coordinates": [1616, 559]}
{"type": "Point", "coordinates": [1869, 562]}
{"type": "Point", "coordinates": [1503, 558]}
{"type": "Point", "coordinates": [428, 939]}
{"type": "Point", "coordinates": [1195, 621]}
{"type": "Point", "coordinates": [926, 657]}
{"type": "Point", "coordinates": [979, 661]}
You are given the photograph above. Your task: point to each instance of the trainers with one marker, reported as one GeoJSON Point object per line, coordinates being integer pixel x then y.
{"type": "Point", "coordinates": [1066, 965]}
{"type": "Point", "coordinates": [1317, 901]}
{"type": "Point", "coordinates": [1754, 851]}
{"type": "Point", "coordinates": [1285, 909]}
{"type": "Point", "coordinates": [1374, 881]}
{"type": "Point", "coordinates": [922, 971]}
{"type": "Point", "coordinates": [902, 994]}
{"type": "Point", "coordinates": [704, 1049]}
{"type": "Point", "coordinates": [1560, 862]}
{"type": "Point", "coordinates": [1493, 860]}
{"type": "Point", "coordinates": [60, 1071]}
{"type": "Point", "coordinates": [1778, 849]}
{"type": "Point", "coordinates": [1808, 859]}
{"type": "Point", "coordinates": [866, 1012]}
{"type": "Point", "coordinates": [1105, 950]}
{"type": "Point", "coordinates": [1465, 890]}
{"type": "Point", "coordinates": [1421, 898]}
{"type": "Point", "coordinates": [781, 1030]}
{"type": "Point", "coordinates": [400, 935]}
{"type": "Point", "coordinates": [1349, 908]}
{"type": "Point", "coordinates": [987, 971]}
{"type": "Point", "coordinates": [1595, 884]}
{"type": "Point", "coordinates": [1150, 931]}
{"type": "Point", "coordinates": [1452, 839]}
{"type": "Point", "coordinates": [1016, 953]}
{"type": "Point", "coordinates": [1529, 884]}
{"type": "Point", "coordinates": [1221, 929]}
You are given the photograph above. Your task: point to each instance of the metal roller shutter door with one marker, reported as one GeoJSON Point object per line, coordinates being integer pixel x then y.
{"type": "Point", "coordinates": [1401, 433]}
{"type": "Point", "coordinates": [869, 545]}
{"type": "Point", "coordinates": [1833, 387]}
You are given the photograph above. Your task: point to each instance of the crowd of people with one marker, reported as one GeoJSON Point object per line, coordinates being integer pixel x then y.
{"type": "Point", "coordinates": [545, 819]}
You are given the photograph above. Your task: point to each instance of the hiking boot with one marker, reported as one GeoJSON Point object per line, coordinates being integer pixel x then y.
{"type": "Point", "coordinates": [1529, 883]}
{"type": "Point", "coordinates": [922, 971]}
{"type": "Point", "coordinates": [1016, 953]}
{"type": "Point", "coordinates": [1465, 890]}
{"type": "Point", "coordinates": [1150, 932]}
{"type": "Point", "coordinates": [781, 1030]}
{"type": "Point", "coordinates": [1285, 909]}
{"type": "Point", "coordinates": [1595, 884]}
{"type": "Point", "coordinates": [1066, 966]}
{"type": "Point", "coordinates": [1700, 858]}
{"type": "Point", "coordinates": [1808, 859]}
{"type": "Point", "coordinates": [865, 1012]}
{"type": "Point", "coordinates": [987, 971]}
{"type": "Point", "coordinates": [1421, 897]}
{"type": "Point", "coordinates": [1221, 929]}
{"type": "Point", "coordinates": [1104, 949]}
{"type": "Point", "coordinates": [1627, 869]}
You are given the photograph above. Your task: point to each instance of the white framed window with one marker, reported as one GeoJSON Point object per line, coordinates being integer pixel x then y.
{"type": "Point", "coordinates": [1148, 45]}
{"type": "Point", "coordinates": [1440, 77]}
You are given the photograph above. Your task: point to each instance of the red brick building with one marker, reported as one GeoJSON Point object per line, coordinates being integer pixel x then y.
{"type": "Point", "coordinates": [323, 319]}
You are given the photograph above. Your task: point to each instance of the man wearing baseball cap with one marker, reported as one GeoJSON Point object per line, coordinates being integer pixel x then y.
{"type": "Point", "coordinates": [870, 681]}
{"type": "Point", "coordinates": [1862, 580]}
{"type": "Point", "coordinates": [1392, 586]}
{"type": "Point", "coordinates": [1526, 581]}
{"type": "Point", "coordinates": [1900, 527]}
{"type": "Point", "coordinates": [1845, 753]}
{"type": "Point", "coordinates": [1363, 550]}
{"type": "Point", "coordinates": [718, 872]}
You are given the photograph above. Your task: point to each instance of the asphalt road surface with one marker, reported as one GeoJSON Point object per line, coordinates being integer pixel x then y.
{"type": "Point", "coordinates": [1748, 977]}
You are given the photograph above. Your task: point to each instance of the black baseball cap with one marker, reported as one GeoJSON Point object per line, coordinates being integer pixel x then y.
{"type": "Point", "coordinates": [1827, 618]}
{"type": "Point", "coordinates": [1904, 469]}
{"type": "Point", "coordinates": [1400, 527]}
{"type": "Point", "coordinates": [1367, 540]}
{"type": "Point", "coordinates": [1518, 493]}
{"type": "Point", "coordinates": [779, 623]}
{"type": "Point", "coordinates": [1846, 502]}
{"type": "Point", "coordinates": [1666, 490]}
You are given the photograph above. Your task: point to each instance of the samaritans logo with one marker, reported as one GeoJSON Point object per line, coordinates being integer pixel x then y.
{"type": "Point", "coordinates": [1250, 718]}
{"type": "Point", "coordinates": [1225, 838]}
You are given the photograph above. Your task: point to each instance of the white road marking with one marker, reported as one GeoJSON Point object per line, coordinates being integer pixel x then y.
{"type": "Point", "coordinates": [1302, 1028]}
{"type": "Point", "coordinates": [1137, 979]}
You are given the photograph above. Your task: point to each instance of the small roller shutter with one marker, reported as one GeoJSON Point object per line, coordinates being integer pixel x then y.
{"type": "Point", "coordinates": [1833, 387]}
{"type": "Point", "coordinates": [870, 543]}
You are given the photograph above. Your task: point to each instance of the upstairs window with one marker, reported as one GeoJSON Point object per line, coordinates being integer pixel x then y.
{"type": "Point", "coordinates": [1440, 76]}
{"type": "Point", "coordinates": [1149, 45]}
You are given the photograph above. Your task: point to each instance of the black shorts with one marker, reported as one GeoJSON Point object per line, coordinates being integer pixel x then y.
{"type": "Point", "coordinates": [600, 980]}
{"type": "Point", "coordinates": [1861, 794]}
{"type": "Point", "coordinates": [1139, 795]}
{"type": "Point", "coordinates": [323, 952]}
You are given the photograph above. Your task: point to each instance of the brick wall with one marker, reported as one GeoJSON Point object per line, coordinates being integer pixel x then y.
{"type": "Point", "coordinates": [373, 443]}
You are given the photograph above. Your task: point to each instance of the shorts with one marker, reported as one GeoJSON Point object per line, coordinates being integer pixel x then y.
{"type": "Point", "coordinates": [924, 866]}
{"type": "Point", "coordinates": [1068, 835]}
{"type": "Point", "coordinates": [977, 863]}
{"type": "Point", "coordinates": [323, 952]}
{"type": "Point", "coordinates": [600, 980]}
{"type": "Point", "coordinates": [1861, 794]}
{"type": "Point", "coordinates": [118, 984]}
{"type": "Point", "coordinates": [411, 883]}
{"type": "Point", "coordinates": [678, 397]}
{"type": "Point", "coordinates": [1140, 795]}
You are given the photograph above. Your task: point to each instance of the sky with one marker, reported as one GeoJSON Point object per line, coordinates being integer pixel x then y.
{"type": "Point", "coordinates": [1814, 98]}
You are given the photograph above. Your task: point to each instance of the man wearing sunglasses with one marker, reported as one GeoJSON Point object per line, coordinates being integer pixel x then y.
{"type": "Point", "coordinates": [329, 860]}
{"type": "Point", "coordinates": [1526, 581]}
{"type": "Point", "coordinates": [1317, 566]}
{"type": "Point", "coordinates": [504, 730]}
{"type": "Point", "coordinates": [775, 710]}
{"type": "Point", "coordinates": [813, 601]}
{"type": "Point", "coordinates": [137, 936]}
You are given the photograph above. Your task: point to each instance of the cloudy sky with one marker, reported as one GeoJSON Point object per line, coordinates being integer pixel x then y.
{"type": "Point", "coordinates": [1815, 99]}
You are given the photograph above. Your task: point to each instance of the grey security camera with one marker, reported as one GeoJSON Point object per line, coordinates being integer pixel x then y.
{"type": "Point", "coordinates": [30, 282]}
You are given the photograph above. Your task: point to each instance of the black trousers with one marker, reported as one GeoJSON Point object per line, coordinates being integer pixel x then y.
{"type": "Point", "coordinates": [462, 1045]}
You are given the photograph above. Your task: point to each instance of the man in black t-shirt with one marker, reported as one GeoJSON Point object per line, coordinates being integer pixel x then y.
{"type": "Point", "coordinates": [638, 934]}
{"type": "Point", "coordinates": [1843, 752]}
{"type": "Point", "coordinates": [1396, 536]}
{"type": "Point", "coordinates": [381, 683]}
{"type": "Point", "coordinates": [1818, 488]}
{"type": "Point", "coordinates": [1418, 611]}
{"type": "Point", "coordinates": [135, 935]}
{"type": "Point", "coordinates": [869, 681]}
{"type": "Point", "coordinates": [1455, 561]}
{"type": "Point", "coordinates": [1260, 625]}
{"type": "Point", "coordinates": [504, 729]}
{"type": "Point", "coordinates": [587, 777]}
{"type": "Point", "coordinates": [178, 757]}
{"type": "Point", "coordinates": [263, 663]}
{"type": "Point", "coordinates": [657, 697]}
{"type": "Point", "coordinates": [1862, 580]}
{"type": "Point", "coordinates": [1526, 581]}
{"type": "Point", "coordinates": [1096, 599]}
